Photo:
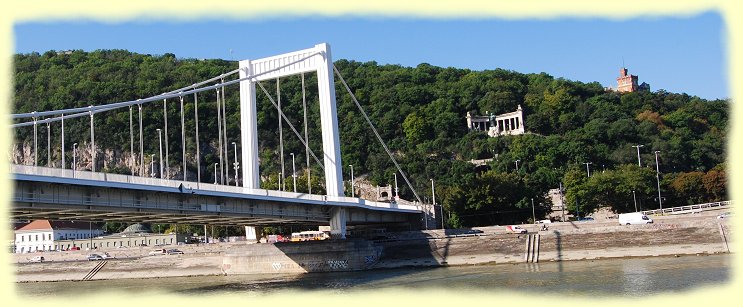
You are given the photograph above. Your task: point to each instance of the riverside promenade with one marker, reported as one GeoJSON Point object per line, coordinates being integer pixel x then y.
{"type": "Point", "coordinates": [668, 236]}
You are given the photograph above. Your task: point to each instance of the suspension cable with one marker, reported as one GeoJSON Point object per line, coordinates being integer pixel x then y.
{"type": "Point", "coordinates": [290, 125]}
{"type": "Point", "coordinates": [171, 94]}
{"type": "Point", "coordinates": [379, 138]}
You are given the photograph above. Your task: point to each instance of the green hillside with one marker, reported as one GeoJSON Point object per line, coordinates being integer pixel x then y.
{"type": "Point", "coordinates": [420, 113]}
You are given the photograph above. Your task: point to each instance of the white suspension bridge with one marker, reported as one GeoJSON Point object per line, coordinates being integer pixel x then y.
{"type": "Point", "coordinates": [168, 195]}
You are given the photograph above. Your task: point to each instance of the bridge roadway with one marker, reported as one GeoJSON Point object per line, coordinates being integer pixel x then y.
{"type": "Point", "coordinates": [62, 194]}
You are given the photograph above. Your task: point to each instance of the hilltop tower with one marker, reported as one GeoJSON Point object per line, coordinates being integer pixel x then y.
{"type": "Point", "coordinates": [628, 83]}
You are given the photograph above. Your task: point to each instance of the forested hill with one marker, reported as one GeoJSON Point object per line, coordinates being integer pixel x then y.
{"type": "Point", "coordinates": [420, 112]}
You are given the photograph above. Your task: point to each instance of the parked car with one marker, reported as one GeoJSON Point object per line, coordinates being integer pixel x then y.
{"type": "Point", "coordinates": [585, 219]}
{"type": "Point", "coordinates": [174, 252]}
{"type": "Point", "coordinates": [106, 256]}
{"type": "Point", "coordinates": [36, 259]}
{"type": "Point", "coordinates": [634, 218]}
{"type": "Point", "coordinates": [544, 222]}
{"type": "Point", "coordinates": [75, 248]}
{"type": "Point", "coordinates": [158, 252]}
{"type": "Point", "coordinates": [515, 229]}
{"type": "Point", "coordinates": [92, 257]}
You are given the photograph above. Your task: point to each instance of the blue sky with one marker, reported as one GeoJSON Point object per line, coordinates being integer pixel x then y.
{"type": "Point", "coordinates": [678, 54]}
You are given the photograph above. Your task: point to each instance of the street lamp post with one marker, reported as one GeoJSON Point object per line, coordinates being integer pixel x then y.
{"type": "Point", "coordinates": [657, 178]}
{"type": "Point", "coordinates": [152, 165]}
{"type": "Point", "coordinates": [160, 140]}
{"type": "Point", "coordinates": [236, 164]}
{"type": "Point", "coordinates": [352, 192]}
{"type": "Point", "coordinates": [48, 145]}
{"type": "Point", "coordinates": [74, 157]}
{"type": "Point", "coordinates": [215, 173]}
{"type": "Point", "coordinates": [562, 202]}
{"type": "Point", "coordinates": [36, 146]}
{"type": "Point", "coordinates": [62, 139]}
{"type": "Point", "coordinates": [638, 154]}
{"type": "Point", "coordinates": [294, 173]}
{"type": "Point", "coordinates": [634, 198]}
{"type": "Point", "coordinates": [588, 170]}
{"type": "Point", "coordinates": [397, 195]}
{"type": "Point", "coordinates": [433, 198]}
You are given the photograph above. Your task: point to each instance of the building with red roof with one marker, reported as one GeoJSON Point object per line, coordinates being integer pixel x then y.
{"type": "Point", "coordinates": [40, 235]}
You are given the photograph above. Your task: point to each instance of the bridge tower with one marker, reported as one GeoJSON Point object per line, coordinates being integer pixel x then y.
{"type": "Point", "coordinates": [316, 59]}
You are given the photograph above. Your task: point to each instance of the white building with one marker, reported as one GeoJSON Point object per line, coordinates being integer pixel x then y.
{"type": "Point", "coordinates": [40, 235]}
{"type": "Point", "coordinates": [496, 125]}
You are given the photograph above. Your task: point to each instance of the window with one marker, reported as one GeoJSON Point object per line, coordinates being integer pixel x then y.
{"type": "Point", "coordinates": [36, 238]}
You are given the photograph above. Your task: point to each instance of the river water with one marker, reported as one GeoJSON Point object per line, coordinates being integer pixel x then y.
{"type": "Point", "coordinates": [609, 277]}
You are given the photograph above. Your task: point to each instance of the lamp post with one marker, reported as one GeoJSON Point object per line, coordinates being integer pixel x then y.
{"type": "Point", "coordinates": [236, 164]}
{"type": "Point", "coordinates": [588, 170]}
{"type": "Point", "coordinates": [160, 140]}
{"type": "Point", "coordinates": [152, 165]}
{"type": "Point", "coordinates": [36, 146]}
{"type": "Point", "coordinates": [634, 198]}
{"type": "Point", "coordinates": [294, 173]}
{"type": "Point", "coordinates": [638, 154]}
{"type": "Point", "coordinates": [517, 165]}
{"type": "Point", "coordinates": [48, 145]}
{"type": "Point", "coordinates": [74, 157]}
{"type": "Point", "coordinates": [397, 195]}
{"type": "Point", "coordinates": [562, 203]}
{"type": "Point", "coordinates": [352, 192]}
{"type": "Point", "coordinates": [657, 178]}
{"type": "Point", "coordinates": [433, 196]}
{"type": "Point", "coordinates": [533, 213]}
{"type": "Point", "coordinates": [215, 173]}
{"type": "Point", "coordinates": [62, 139]}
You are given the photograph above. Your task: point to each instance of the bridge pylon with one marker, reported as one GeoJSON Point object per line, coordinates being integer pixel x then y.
{"type": "Point", "coordinates": [317, 59]}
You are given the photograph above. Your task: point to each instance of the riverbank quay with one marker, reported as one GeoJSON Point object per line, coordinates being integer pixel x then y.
{"type": "Point", "coordinates": [668, 236]}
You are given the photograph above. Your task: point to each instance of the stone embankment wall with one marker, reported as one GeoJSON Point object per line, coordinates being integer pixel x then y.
{"type": "Point", "coordinates": [562, 241]}
{"type": "Point", "coordinates": [677, 235]}
{"type": "Point", "coordinates": [313, 256]}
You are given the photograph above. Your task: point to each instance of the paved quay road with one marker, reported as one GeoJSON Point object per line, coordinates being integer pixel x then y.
{"type": "Point", "coordinates": [623, 277]}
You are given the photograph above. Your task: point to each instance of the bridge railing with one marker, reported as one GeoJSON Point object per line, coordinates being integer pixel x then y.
{"type": "Point", "coordinates": [189, 185]}
{"type": "Point", "coordinates": [689, 208]}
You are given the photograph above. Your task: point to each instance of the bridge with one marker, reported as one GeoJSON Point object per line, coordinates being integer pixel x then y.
{"type": "Point", "coordinates": [156, 196]}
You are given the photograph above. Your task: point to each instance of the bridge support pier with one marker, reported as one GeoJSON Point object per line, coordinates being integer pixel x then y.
{"type": "Point", "coordinates": [252, 234]}
{"type": "Point", "coordinates": [338, 220]}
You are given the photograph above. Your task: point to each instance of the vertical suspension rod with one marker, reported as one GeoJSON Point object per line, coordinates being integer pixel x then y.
{"type": "Point", "coordinates": [92, 141]}
{"type": "Point", "coordinates": [165, 118]}
{"type": "Point", "coordinates": [224, 127]}
{"type": "Point", "coordinates": [131, 142]}
{"type": "Point", "coordinates": [196, 120]}
{"type": "Point", "coordinates": [281, 135]}
{"type": "Point", "coordinates": [36, 147]}
{"type": "Point", "coordinates": [183, 139]}
{"type": "Point", "coordinates": [48, 145]}
{"type": "Point", "coordinates": [63, 157]}
{"type": "Point", "coordinates": [219, 134]}
{"type": "Point", "coordinates": [306, 138]}
{"type": "Point", "coordinates": [142, 170]}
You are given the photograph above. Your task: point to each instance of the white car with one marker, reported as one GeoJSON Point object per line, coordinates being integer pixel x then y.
{"type": "Point", "coordinates": [515, 229]}
{"type": "Point", "coordinates": [158, 252]}
{"type": "Point", "coordinates": [36, 259]}
{"type": "Point", "coordinates": [92, 257]}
